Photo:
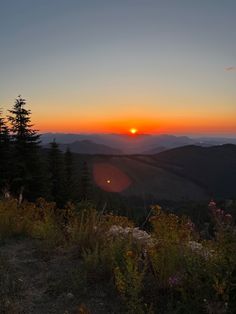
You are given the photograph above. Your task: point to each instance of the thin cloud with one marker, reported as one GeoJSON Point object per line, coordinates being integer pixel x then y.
{"type": "Point", "coordinates": [230, 69]}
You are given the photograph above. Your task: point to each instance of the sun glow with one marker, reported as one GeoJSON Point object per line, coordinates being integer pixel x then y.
{"type": "Point", "coordinates": [133, 131]}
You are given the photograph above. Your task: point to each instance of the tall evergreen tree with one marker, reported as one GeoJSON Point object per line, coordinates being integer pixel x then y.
{"type": "Point", "coordinates": [85, 185]}
{"type": "Point", "coordinates": [26, 163]}
{"type": "Point", "coordinates": [4, 154]}
{"type": "Point", "coordinates": [70, 193]}
{"type": "Point", "coordinates": [56, 171]}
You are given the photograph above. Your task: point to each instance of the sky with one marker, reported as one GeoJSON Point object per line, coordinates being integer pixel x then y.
{"type": "Point", "coordinates": [161, 66]}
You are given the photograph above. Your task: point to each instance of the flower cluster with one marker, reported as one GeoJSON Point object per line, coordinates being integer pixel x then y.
{"type": "Point", "coordinates": [137, 234]}
{"type": "Point", "coordinates": [174, 281]}
{"type": "Point", "coordinates": [219, 216]}
{"type": "Point", "coordinates": [195, 246]}
{"type": "Point", "coordinates": [200, 249]}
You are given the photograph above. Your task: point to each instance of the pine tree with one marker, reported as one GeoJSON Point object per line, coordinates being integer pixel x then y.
{"type": "Point", "coordinates": [85, 186]}
{"type": "Point", "coordinates": [4, 154]}
{"type": "Point", "coordinates": [26, 163]}
{"type": "Point", "coordinates": [56, 171]}
{"type": "Point", "coordinates": [69, 176]}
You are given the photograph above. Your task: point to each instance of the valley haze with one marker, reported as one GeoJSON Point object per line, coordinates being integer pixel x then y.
{"type": "Point", "coordinates": [113, 144]}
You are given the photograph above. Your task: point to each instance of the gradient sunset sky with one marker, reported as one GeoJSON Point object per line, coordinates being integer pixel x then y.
{"type": "Point", "coordinates": [161, 66]}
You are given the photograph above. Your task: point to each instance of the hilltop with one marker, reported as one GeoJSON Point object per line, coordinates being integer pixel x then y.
{"type": "Point", "coordinates": [132, 144]}
{"type": "Point", "coordinates": [184, 173]}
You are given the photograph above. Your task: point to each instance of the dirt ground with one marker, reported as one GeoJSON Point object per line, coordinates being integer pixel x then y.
{"type": "Point", "coordinates": [50, 283]}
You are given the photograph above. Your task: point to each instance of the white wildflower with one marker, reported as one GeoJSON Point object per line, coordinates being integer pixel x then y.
{"type": "Point", "coordinates": [200, 249]}
{"type": "Point", "coordinates": [137, 234]}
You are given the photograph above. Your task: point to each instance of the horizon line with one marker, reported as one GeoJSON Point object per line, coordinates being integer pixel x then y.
{"type": "Point", "coordinates": [210, 135]}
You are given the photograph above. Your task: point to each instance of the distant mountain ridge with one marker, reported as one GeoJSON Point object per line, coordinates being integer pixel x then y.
{"type": "Point", "coordinates": [88, 147]}
{"type": "Point", "coordinates": [155, 150]}
{"type": "Point", "coordinates": [127, 144]}
{"type": "Point", "coordinates": [179, 174]}
{"type": "Point", "coordinates": [213, 168]}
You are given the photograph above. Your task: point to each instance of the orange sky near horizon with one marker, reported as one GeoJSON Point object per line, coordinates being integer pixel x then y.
{"type": "Point", "coordinates": [146, 125]}
{"type": "Point", "coordinates": [149, 110]}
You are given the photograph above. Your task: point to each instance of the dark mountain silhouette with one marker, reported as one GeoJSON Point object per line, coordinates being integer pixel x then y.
{"type": "Point", "coordinates": [180, 174]}
{"type": "Point", "coordinates": [88, 147]}
{"type": "Point", "coordinates": [138, 144]}
{"type": "Point", "coordinates": [213, 168]}
{"type": "Point", "coordinates": [155, 150]}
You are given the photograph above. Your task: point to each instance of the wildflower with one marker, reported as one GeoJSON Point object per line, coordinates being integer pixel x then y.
{"type": "Point", "coordinates": [174, 281]}
{"type": "Point", "coordinates": [228, 218]}
{"type": "Point", "coordinates": [212, 204]}
{"type": "Point", "coordinates": [219, 288]}
{"type": "Point", "coordinates": [190, 225]}
{"type": "Point", "coordinates": [195, 246]}
{"type": "Point", "coordinates": [200, 249]}
{"type": "Point", "coordinates": [83, 309]}
{"type": "Point", "coordinates": [137, 234]}
{"type": "Point", "coordinates": [130, 253]}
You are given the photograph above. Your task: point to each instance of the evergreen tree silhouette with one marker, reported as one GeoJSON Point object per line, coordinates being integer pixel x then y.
{"type": "Point", "coordinates": [4, 154]}
{"type": "Point", "coordinates": [56, 171]}
{"type": "Point", "coordinates": [27, 170]}
{"type": "Point", "coordinates": [85, 185]}
{"type": "Point", "coordinates": [70, 193]}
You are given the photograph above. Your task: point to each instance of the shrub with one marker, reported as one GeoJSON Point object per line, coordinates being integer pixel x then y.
{"type": "Point", "coordinates": [129, 282]}
{"type": "Point", "coordinates": [171, 269]}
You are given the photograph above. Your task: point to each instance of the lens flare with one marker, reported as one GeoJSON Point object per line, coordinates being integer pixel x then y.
{"type": "Point", "coordinates": [110, 178]}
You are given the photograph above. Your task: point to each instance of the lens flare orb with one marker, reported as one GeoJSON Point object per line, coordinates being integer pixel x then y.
{"type": "Point", "coordinates": [110, 178]}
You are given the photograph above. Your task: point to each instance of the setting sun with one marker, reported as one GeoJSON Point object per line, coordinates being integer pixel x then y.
{"type": "Point", "coordinates": [133, 131]}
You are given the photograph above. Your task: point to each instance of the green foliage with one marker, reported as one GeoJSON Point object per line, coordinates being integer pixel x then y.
{"type": "Point", "coordinates": [12, 220]}
{"type": "Point", "coordinates": [4, 153]}
{"type": "Point", "coordinates": [70, 182]}
{"type": "Point", "coordinates": [85, 184]}
{"type": "Point", "coordinates": [37, 220]}
{"type": "Point", "coordinates": [170, 270]}
{"type": "Point", "coordinates": [98, 264]}
{"type": "Point", "coordinates": [129, 282]}
{"type": "Point", "coordinates": [56, 172]}
{"type": "Point", "coordinates": [26, 167]}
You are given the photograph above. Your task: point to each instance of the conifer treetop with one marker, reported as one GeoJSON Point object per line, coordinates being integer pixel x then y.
{"type": "Point", "coordinates": [20, 121]}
